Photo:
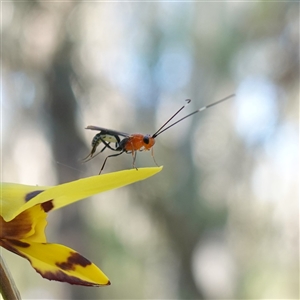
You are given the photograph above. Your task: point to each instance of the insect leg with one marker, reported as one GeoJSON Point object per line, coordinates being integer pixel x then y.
{"type": "Point", "coordinates": [88, 157]}
{"type": "Point", "coordinates": [113, 155]}
{"type": "Point", "coordinates": [152, 154]}
{"type": "Point", "coordinates": [134, 158]}
{"type": "Point", "coordinates": [91, 154]}
{"type": "Point", "coordinates": [107, 144]}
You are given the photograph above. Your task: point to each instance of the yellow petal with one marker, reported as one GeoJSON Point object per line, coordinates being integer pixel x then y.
{"type": "Point", "coordinates": [57, 262]}
{"type": "Point", "coordinates": [29, 225]}
{"type": "Point", "coordinates": [17, 198]}
{"type": "Point", "coordinates": [13, 196]}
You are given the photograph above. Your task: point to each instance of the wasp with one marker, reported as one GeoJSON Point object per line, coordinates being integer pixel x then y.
{"type": "Point", "coordinates": [122, 142]}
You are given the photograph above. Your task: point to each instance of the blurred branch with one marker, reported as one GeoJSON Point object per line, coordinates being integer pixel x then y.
{"type": "Point", "coordinates": [184, 240]}
{"type": "Point", "coordinates": [8, 288]}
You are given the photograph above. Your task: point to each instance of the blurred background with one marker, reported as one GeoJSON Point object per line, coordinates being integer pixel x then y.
{"type": "Point", "coordinates": [221, 221]}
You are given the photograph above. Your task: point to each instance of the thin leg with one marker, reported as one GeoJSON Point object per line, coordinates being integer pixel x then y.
{"type": "Point", "coordinates": [152, 154]}
{"type": "Point", "coordinates": [107, 144]}
{"type": "Point", "coordinates": [104, 148]}
{"type": "Point", "coordinates": [134, 158]}
{"type": "Point", "coordinates": [90, 155]}
{"type": "Point", "coordinates": [113, 155]}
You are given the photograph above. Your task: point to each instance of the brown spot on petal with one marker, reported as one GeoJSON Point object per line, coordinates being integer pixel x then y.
{"type": "Point", "coordinates": [16, 228]}
{"type": "Point", "coordinates": [22, 226]}
{"type": "Point", "coordinates": [76, 258]}
{"type": "Point", "coordinates": [73, 260]}
{"type": "Point", "coordinates": [9, 245]}
{"type": "Point", "coordinates": [61, 276]}
{"type": "Point", "coordinates": [31, 195]}
{"type": "Point", "coordinates": [19, 243]}
{"type": "Point", "coordinates": [47, 206]}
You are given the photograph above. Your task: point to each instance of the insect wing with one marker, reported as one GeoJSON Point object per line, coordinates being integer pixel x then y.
{"type": "Point", "coordinates": [108, 132]}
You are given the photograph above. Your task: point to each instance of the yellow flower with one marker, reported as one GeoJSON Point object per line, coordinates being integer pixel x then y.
{"type": "Point", "coordinates": [23, 214]}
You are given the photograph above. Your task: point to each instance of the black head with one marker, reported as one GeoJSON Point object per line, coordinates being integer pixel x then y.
{"type": "Point", "coordinates": [146, 139]}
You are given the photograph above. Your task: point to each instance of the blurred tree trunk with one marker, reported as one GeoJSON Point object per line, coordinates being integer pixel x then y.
{"type": "Point", "coordinates": [67, 147]}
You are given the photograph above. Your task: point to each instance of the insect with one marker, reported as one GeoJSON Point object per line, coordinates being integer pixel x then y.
{"type": "Point", "coordinates": [131, 143]}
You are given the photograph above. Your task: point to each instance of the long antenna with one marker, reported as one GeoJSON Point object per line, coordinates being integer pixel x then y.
{"type": "Point", "coordinates": [159, 131]}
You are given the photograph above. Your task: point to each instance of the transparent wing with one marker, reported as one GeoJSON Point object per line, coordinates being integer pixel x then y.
{"type": "Point", "coordinates": [107, 131]}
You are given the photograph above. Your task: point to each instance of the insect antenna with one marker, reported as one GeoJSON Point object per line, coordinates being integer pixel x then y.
{"type": "Point", "coordinates": [162, 129]}
{"type": "Point", "coordinates": [158, 131]}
